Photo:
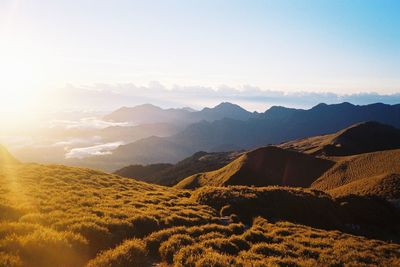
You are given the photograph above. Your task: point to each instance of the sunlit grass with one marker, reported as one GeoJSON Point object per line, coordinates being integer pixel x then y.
{"type": "Point", "coordinates": [63, 216]}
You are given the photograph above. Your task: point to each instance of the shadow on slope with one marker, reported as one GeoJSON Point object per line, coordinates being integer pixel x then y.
{"type": "Point", "coordinates": [261, 167]}
{"type": "Point", "coordinates": [168, 174]}
{"type": "Point", "coordinates": [367, 216]}
{"type": "Point", "coordinates": [356, 139]}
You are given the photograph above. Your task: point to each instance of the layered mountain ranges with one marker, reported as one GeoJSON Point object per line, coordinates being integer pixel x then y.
{"type": "Point", "coordinates": [276, 125]}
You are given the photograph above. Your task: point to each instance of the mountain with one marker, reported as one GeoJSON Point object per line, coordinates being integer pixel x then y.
{"type": "Point", "coordinates": [356, 139]}
{"type": "Point", "coordinates": [133, 133]}
{"type": "Point", "coordinates": [275, 126]}
{"type": "Point", "coordinates": [168, 174]}
{"type": "Point", "coordinates": [262, 167]}
{"type": "Point", "coordinates": [374, 166]}
{"type": "Point", "coordinates": [148, 113]}
{"type": "Point", "coordinates": [280, 124]}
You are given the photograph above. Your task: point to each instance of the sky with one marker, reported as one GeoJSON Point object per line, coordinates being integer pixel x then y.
{"type": "Point", "coordinates": [290, 46]}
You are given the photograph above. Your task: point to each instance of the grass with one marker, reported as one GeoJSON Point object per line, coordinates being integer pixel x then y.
{"type": "Point", "coordinates": [278, 246]}
{"type": "Point", "coordinates": [353, 168]}
{"type": "Point", "coordinates": [263, 166]}
{"type": "Point", "coordinates": [63, 216]}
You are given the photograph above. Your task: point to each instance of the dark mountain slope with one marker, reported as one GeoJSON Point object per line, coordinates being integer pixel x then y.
{"type": "Point", "coordinates": [356, 139]}
{"type": "Point", "coordinates": [279, 124]}
{"type": "Point", "coordinates": [262, 167]}
{"type": "Point", "coordinates": [168, 174]}
{"type": "Point", "coordinates": [274, 126]}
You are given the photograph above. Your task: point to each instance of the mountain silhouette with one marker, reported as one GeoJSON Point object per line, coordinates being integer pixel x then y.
{"type": "Point", "coordinates": [274, 126]}
{"type": "Point", "coordinates": [356, 139]}
{"type": "Point", "coordinates": [149, 113]}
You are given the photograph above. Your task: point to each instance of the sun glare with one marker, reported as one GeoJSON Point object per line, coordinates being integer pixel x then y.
{"type": "Point", "coordinates": [20, 82]}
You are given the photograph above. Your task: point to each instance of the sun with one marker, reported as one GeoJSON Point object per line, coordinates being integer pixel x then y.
{"type": "Point", "coordinates": [21, 80]}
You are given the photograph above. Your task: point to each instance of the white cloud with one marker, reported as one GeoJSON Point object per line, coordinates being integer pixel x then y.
{"type": "Point", "coordinates": [102, 149]}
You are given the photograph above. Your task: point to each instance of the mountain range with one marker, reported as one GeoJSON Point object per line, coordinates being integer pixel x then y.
{"type": "Point", "coordinates": [274, 126]}
{"type": "Point", "coordinates": [357, 166]}
{"type": "Point", "coordinates": [149, 113]}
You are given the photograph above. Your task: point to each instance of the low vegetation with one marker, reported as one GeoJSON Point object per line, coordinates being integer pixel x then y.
{"type": "Point", "coordinates": [63, 216]}
{"type": "Point", "coordinates": [171, 174]}
{"type": "Point", "coordinates": [263, 167]}
{"type": "Point", "coordinates": [353, 168]}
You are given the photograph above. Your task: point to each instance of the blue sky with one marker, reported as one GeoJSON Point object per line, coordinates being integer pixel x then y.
{"type": "Point", "coordinates": [337, 46]}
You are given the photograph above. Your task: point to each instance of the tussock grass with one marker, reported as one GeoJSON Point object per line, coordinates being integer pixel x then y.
{"type": "Point", "coordinates": [63, 216]}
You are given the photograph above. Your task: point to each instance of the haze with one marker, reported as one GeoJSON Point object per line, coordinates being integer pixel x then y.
{"type": "Point", "coordinates": [339, 47]}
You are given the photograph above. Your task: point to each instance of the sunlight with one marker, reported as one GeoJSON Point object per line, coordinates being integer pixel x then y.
{"type": "Point", "coordinates": [21, 81]}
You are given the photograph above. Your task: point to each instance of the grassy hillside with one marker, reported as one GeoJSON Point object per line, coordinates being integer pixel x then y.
{"type": "Point", "coordinates": [63, 216]}
{"type": "Point", "coordinates": [267, 244]}
{"type": "Point", "coordinates": [356, 139]}
{"type": "Point", "coordinates": [359, 215]}
{"type": "Point", "coordinates": [261, 167]}
{"type": "Point", "coordinates": [353, 168]}
{"type": "Point", "coordinates": [171, 174]}
{"type": "Point", "coordinates": [384, 185]}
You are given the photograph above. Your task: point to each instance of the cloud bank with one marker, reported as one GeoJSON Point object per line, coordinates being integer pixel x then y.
{"type": "Point", "coordinates": [112, 96]}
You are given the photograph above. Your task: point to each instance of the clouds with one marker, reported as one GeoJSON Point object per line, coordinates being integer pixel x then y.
{"type": "Point", "coordinates": [97, 150]}
{"type": "Point", "coordinates": [113, 96]}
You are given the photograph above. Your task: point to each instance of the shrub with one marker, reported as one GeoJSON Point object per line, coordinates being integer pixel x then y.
{"type": "Point", "coordinates": [130, 253]}
{"type": "Point", "coordinates": [213, 259]}
{"type": "Point", "coordinates": [188, 256]}
{"type": "Point", "coordinates": [222, 245]}
{"type": "Point", "coordinates": [268, 249]}
{"type": "Point", "coordinates": [154, 240]}
{"type": "Point", "coordinates": [9, 260]}
{"type": "Point", "coordinates": [144, 225]}
{"type": "Point", "coordinates": [99, 237]}
{"type": "Point", "coordinates": [47, 247]}
{"type": "Point", "coordinates": [169, 248]}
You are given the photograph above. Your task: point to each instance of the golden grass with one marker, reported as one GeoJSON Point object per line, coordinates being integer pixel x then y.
{"type": "Point", "coordinates": [352, 168]}
{"type": "Point", "coordinates": [63, 216]}
{"type": "Point", "coordinates": [262, 167]}
{"type": "Point", "coordinates": [384, 185]}
{"type": "Point", "coordinates": [282, 244]}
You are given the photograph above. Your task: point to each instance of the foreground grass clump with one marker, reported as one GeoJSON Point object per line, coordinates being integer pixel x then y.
{"type": "Point", "coordinates": [361, 215]}
{"type": "Point", "coordinates": [130, 253]}
{"type": "Point", "coordinates": [284, 244]}
{"type": "Point", "coordinates": [63, 216]}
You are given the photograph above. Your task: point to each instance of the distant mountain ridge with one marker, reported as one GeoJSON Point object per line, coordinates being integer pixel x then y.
{"type": "Point", "coordinates": [149, 113]}
{"type": "Point", "coordinates": [276, 125]}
